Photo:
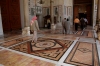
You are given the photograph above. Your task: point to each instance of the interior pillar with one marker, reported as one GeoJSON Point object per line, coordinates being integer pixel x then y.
{"type": "Point", "coordinates": [26, 30]}
{"type": "Point", "coordinates": [1, 28]}
{"type": "Point", "coordinates": [53, 26]}
{"type": "Point", "coordinates": [51, 11]}
{"type": "Point", "coordinates": [26, 13]}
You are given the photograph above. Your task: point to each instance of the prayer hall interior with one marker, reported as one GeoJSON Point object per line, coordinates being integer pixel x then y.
{"type": "Point", "coordinates": [53, 47]}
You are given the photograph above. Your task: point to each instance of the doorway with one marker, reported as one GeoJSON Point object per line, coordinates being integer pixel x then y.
{"type": "Point", "coordinates": [82, 15]}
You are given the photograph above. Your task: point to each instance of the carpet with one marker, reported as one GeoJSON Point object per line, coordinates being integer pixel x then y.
{"type": "Point", "coordinates": [79, 32]}
{"type": "Point", "coordinates": [88, 34]}
{"type": "Point", "coordinates": [46, 48]}
{"type": "Point", "coordinates": [48, 31]}
{"type": "Point", "coordinates": [61, 36]}
{"type": "Point", "coordinates": [15, 41]}
{"type": "Point", "coordinates": [47, 44]}
{"type": "Point", "coordinates": [0, 48]}
{"type": "Point", "coordinates": [86, 39]}
{"type": "Point", "coordinates": [8, 58]}
{"type": "Point", "coordinates": [83, 54]}
{"type": "Point", "coordinates": [9, 38]}
{"type": "Point", "coordinates": [85, 33]}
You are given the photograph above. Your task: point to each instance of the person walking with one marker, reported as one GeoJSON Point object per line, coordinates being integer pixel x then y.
{"type": "Point", "coordinates": [34, 28]}
{"type": "Point", "coordinates": [66, 26]}
{"type": "Point", "coordinates": [76, 22]}
{"type": "Point", "coordinates": [82, 21]}
{"type": "Point", "coordinates": [86, 22]}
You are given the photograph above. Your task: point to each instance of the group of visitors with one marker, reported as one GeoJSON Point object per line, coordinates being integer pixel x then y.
{"type": "Point", "coordinates": [77, 22]}
{"type": "Point", "coordinates": [82, 23]}
{"type": "Point", "coordinates": [65, 25]}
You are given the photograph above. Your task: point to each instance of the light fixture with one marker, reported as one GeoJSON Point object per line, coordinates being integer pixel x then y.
{"type": "Point", "coordinates": [41, 2]}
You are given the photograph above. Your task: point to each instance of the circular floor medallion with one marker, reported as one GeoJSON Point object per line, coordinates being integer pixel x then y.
{"type": "Point", "coordinates": [44, 44]}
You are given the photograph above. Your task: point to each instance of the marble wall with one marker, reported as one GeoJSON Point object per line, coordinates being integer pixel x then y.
{"type": "Point", "coordinates": [64, 9]}
{"type": "Point", "coordinates": [68, 10]}
{"type": "Point", "coordinates": [94, 12]}
{"type": "Point", "coordinates": [44, 9]}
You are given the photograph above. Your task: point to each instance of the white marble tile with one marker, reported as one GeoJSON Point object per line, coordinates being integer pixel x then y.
{"type": "Point", "coordinates": [95, 34]}
{"type": "Point", "coordinates": [91, 40]}
{"type": "Point", "coordinates": [1, 65]}
{"type": "Point", "coordinates": [66, 54]}
{"type": "Point", "coordinates": [64, 64]}
{"type": "Point", "coordinates": [98, 48]}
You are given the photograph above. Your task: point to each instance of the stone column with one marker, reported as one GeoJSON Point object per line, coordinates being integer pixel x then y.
{"type": "Point", "coordinates": [51, 11]}
{"type": "Point", "coordinates": [26, 30]}
{"type": "Point", "coordinates": [1, 28]}
{"type": "Point", "coordinates": [35, 7]}
{"type": "Point", "coordinates": [53, 26]}
{"type": "Point", "coordinates": [26, 13]}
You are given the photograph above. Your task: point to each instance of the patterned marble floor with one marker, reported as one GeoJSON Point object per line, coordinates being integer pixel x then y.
{"type": "Point", "coordinates": [52, 49]}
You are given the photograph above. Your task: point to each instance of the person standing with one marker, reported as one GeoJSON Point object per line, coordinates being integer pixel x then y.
{"type": "Point", "coordinates": [48, 23]}
{"type": "Point", "coordinates": [76, 22]}
{"type": "Point", "coordinates": [34, 28]}
{"type": "Point", "coordinates": [66, 26]}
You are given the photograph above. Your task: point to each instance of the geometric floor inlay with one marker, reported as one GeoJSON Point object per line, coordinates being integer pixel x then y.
{"type": "Point", "coordinates": [48, 44]}
{"type": "Point", "coordinates": [50, 49]}
{"type": "Point", "coordinates": [15, 41]}
{"type": "Point", "coordinates": [47, 48]}
{"type": "Point", "coordinates": [83, 54]}
{"type": "Point", "coordinates": [84, 50]}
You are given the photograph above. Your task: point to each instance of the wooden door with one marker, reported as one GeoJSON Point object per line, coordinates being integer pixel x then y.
{"type": "Point", "coordinates": [14, 11]}
{"type": "Point", "coordinates": [10, 11]}
{"type": "Point", "coordinates": [75, 11]}
{"type": "Point", "coordinates": [89, 14]}
{"type": "Point", "coordinates": [5, 14]}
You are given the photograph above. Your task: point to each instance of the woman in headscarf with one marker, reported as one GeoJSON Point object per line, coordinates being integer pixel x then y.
{"type": "Point", "coordinates": [34, 28]}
